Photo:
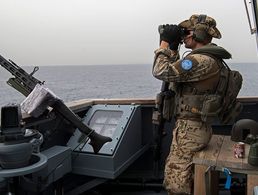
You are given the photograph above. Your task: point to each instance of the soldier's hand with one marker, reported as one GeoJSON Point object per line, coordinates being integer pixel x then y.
{"type": "Point", "coordinates": [175, 44]}
{"type": "Point", "coordinates": [169, 33]}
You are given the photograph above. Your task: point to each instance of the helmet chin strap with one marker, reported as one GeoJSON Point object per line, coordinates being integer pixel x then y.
{"type": "Point", "coordinates": [179, 47]}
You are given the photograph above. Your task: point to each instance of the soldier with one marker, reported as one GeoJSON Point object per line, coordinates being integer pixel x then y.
{"type": "Point", "coordinates": [193, 78]}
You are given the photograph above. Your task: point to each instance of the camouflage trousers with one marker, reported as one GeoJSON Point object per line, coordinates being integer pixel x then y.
{"type": "Point", "coordinates": [189, 137]}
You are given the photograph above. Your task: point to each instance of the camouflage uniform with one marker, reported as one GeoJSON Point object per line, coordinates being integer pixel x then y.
{"type": "Point", "coordinates": [196, 74]}
{"type": "Point", "coordinates": [188, 138]}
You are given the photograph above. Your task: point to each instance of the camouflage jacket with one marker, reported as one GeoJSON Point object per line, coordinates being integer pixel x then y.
{"type": "Point", "coordinates": [200, 68]}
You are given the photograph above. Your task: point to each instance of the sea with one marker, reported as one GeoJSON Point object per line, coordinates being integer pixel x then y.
{"type": "Point", "coordinates": [73, 82]}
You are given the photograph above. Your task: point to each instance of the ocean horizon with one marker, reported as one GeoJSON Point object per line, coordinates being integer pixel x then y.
{"type": "Point", "coordinates": [108, 81]}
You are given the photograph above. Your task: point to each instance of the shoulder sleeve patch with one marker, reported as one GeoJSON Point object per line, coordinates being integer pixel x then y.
{"type": "Point", "coordinates": [186, 64]}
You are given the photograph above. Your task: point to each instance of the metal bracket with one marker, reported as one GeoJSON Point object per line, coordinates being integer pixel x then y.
{"type": "Point", "coordinates": [252, 29]}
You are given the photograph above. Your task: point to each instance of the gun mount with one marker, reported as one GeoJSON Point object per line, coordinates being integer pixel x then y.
{"type": "Point", "coordinates": [16, 142]}
{"type": "Point", "coordinates": [102, 154]}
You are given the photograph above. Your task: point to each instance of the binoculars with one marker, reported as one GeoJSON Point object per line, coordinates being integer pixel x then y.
{"type": "Point", "coordinates": [181, 32]}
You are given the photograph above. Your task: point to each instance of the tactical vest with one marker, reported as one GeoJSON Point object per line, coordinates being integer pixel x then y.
{"type": "Point", "coordinates": [215, 104]}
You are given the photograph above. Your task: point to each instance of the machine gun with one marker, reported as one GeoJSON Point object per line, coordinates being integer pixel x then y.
{"type": "Point", "coordinates": [25, 83]}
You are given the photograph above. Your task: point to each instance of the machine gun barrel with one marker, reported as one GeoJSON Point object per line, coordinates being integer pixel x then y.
{"type": "Point", "coordinates": [25, 83]}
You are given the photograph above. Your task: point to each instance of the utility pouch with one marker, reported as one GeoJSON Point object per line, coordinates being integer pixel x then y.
{"type": "Point", "coordinates": [168, 105]}
{"type": "Point", "coordinates": [211, 108]}
{"type": "Point", "coordinates": [156, 115]}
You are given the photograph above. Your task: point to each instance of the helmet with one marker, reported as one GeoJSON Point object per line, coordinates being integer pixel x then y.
{"type": "Point", "coordinates": [242, 128]}
{"type": "Point", "coordinates": [203, 26]}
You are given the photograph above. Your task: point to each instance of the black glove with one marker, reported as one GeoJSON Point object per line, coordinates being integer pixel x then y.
{"type": "Point", "coordinates": [174, 45]}
{"type": "Point", "coordinates": [169, 33]}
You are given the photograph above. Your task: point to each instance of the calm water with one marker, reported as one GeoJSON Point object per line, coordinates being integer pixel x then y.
{"type": "Point", "coordinates": [108, 81]}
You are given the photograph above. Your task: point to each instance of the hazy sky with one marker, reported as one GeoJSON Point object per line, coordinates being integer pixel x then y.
{"type": "Point", "coordinates": [89, 32]}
